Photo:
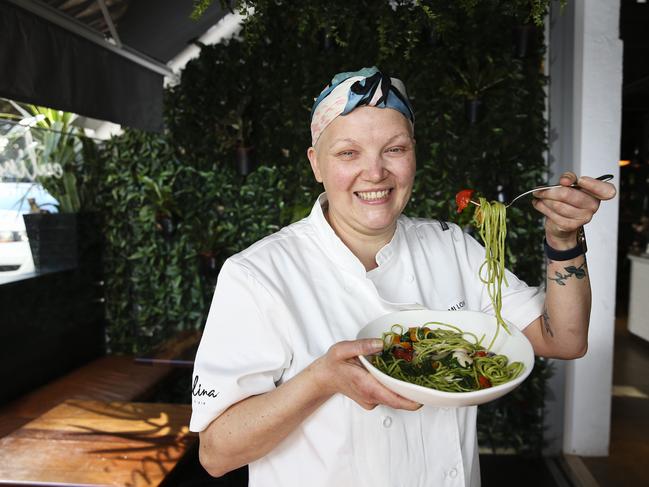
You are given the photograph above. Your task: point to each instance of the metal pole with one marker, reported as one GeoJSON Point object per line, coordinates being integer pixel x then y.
{"type": "Point", "coordinates": [109, 23]}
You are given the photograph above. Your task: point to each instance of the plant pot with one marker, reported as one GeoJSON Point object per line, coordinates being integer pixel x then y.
{"type": "Point", "coordinates": [524, 39]}
{"type": "Point", "coordinates": [473, 110]}
{"type": "Point", "coordinates": [327, 42]}
{"type": "Point", "coordinates": [208, 264]}
{"type": "Point", "coordinates": [430, 36]}
{"type": "Point", "coordinates": [53, 240]}
{"type": "Point", "coordinates": [165, 225]}
{"type": "Point", "coordinates": [245, 160]}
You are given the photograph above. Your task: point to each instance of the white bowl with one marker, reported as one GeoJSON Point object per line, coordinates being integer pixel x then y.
{"type": "Point", "coordinates": [515, 346]}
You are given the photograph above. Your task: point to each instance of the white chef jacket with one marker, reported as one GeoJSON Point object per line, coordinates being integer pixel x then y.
{"type": "Point", "coordinates": [281, 303]}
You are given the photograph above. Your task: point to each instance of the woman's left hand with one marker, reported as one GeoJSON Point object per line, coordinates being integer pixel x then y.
{"type": "Point", "coordinates": [567, 209]}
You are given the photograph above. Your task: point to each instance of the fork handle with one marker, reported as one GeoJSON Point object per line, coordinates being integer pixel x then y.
{"type": "Point", "coordinates": [603, 177]}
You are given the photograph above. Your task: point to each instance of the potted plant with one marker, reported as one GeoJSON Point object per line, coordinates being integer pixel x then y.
{"type": "Point", "coordinates": [159, 194]}
{"type": "Point", "coordinates": [53, 149]}
{"type": "Point", "coordinates": [209, 252]}
{"type": "Point", "coordinates": [474, 81]}
{"type": "Point", "coordinates": [210, 237]}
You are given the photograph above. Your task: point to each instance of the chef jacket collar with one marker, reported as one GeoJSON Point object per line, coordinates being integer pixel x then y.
{"type": "Point", "coordinates": [336, 248]}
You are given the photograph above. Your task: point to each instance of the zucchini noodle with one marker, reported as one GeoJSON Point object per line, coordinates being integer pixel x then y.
{"type": "Point", "coordinates": [442, 359]}
{"type": "Point", "coordinates": [490, 220]}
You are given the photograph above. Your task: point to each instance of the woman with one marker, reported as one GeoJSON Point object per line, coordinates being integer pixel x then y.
{"type": "Point", "coordinates": [277, 384]}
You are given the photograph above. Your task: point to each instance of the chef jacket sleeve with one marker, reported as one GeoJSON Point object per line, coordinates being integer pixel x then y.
{"type": "Point", "coordinates": [521, 304]}
{"type": "Point", "coordinates": [243, 350]}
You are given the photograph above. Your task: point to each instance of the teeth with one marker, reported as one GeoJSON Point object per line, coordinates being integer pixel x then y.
{"type": "Point", "coordinates": [373, 195]}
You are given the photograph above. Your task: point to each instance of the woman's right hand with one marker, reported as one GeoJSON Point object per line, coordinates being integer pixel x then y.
{"type": "Point", "coordinates": [252, 427]}
{"type": "Point", "coordinates": [340, 371]}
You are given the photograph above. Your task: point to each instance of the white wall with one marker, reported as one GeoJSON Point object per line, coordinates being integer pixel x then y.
{"type": "Point", "coordinates": [585, 124]}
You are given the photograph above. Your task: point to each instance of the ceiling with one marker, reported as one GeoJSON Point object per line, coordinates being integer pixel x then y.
{"type": "Point", "coordinates": [158, 28]}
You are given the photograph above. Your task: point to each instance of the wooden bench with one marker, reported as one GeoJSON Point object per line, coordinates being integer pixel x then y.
{"type": "Point", "coordinates": [109, 378]}
{"type": "Point", "coordinates": [96, 443]}
{"type": "Point", "coordinates": [36, 448]}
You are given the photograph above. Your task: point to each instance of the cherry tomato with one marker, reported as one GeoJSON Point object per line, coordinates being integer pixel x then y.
{"type": "Point", "coordinates": [480, 353]}
{"type": "Point", "coordinates": [463, 198]}
{"type": "Point", "coordinates": [402, 353]}
{"type": "Point", "coordinates": [484, 382]}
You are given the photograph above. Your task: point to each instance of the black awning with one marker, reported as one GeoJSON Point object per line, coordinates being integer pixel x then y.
{"type": "Point", "coordinates": [44, 64]}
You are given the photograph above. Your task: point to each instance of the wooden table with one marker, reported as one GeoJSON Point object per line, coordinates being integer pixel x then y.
{"type": "Point", "coordinates": [94, 443]}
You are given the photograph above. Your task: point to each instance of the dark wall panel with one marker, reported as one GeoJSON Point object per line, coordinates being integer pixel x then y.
{"type": "Point", "coordinates": [53, 322]}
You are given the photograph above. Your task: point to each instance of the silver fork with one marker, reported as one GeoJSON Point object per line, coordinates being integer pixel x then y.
{"type": "Point", "coordinates": [605, 177]}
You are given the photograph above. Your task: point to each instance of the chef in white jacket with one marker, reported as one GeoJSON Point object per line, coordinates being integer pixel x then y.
{"type": "Point", "coordinates": [277, 384]}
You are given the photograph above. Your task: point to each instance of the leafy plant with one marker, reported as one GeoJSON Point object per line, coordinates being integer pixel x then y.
{"type": "Point", "coordinates": [159, 192]}
{"type": "Point", "coordinates": [55, 141]}
{"type": "Point", "coordinates": [201, 6]}
{"type": "Point", "coordinates": [530, 11]}
{"type": "Point", "coordinates": [476, 77]}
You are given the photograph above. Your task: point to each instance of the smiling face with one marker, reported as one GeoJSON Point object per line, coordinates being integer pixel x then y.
{"type": "Point", "coordinates": [366, 161]}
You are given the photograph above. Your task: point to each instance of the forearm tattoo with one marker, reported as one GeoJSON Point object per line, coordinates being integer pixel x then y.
{"type": "Point", "coordinates": [546, 322]}
{"type": "Point", "coordinates": [571, 271]}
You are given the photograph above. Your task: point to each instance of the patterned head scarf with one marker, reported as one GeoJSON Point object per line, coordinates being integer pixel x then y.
{"type": "Point", "coordinates": [367, 87]}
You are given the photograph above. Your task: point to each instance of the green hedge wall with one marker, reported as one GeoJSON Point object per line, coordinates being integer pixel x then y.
{"type": "Point", "coordinates": [257, 90]}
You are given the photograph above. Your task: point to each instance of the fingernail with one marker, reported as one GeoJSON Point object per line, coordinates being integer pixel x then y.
{"type": "Point", "coordinates": [377, 344]}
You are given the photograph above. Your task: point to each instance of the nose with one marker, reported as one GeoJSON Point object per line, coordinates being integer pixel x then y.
{"type": "Point", "coordinates": [375, 169]}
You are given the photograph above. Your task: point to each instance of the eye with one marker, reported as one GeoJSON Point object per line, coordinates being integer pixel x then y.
{"type": "Point", "coordinates": [346, 154]}
{"type": "Point", "coordinates": [396, 150]}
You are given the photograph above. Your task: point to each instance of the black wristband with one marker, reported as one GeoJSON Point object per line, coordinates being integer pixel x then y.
{"type": "Point", "coordinates": [559, 255]}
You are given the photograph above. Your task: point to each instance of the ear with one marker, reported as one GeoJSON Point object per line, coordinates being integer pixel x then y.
{"type": "Point", "coordinates": [313, 159]}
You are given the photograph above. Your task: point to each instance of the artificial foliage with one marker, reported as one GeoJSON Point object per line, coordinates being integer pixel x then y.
{"type": "Point", "coordinates": [256, 90]}
{"type": "Point", "coordinates": [151, 284]}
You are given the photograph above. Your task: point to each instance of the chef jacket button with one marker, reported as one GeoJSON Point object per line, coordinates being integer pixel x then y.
{"type": "Point", "coordinates": [411, 278]}
{"type": "Point", "coordinates": [452, 473]}
{"type": "Point", "coordinates": [387, 421]}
